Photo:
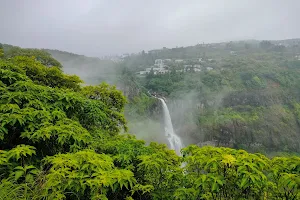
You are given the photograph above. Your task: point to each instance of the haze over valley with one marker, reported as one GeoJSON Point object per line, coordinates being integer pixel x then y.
{"type": "Point", "coordinates": [157, 100]}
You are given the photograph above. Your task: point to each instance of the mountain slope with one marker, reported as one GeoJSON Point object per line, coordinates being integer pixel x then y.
{"type": "Point", "coordinates": [92, 70]}
{"type": "Point", "coordinates": [245, 96]}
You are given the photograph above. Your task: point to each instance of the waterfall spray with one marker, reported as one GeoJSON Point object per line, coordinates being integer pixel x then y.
{"type": "Point", "coordinates": [174, 141]}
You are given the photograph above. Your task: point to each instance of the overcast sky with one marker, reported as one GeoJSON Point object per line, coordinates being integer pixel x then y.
{"type": "Point", "coordinates": [103, 27]}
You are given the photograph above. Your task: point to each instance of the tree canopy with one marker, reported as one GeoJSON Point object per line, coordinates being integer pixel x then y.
{"type": "Point", "coordinates": [60, 140]}
{"type": "Point", "coordinates": [40, 55]}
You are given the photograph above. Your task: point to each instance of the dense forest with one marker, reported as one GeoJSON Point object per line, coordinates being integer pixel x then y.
{"type": "Point", "coordinates": [245, 96]}
{"type": "Point", "coordinates": [62, 139]}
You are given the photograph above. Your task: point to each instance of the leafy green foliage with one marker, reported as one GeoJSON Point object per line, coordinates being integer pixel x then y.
{"type": "Point", "coordinates": [42, 56]}
{"type": "Point", "coordinates": [86, 171]}
{"type": "Point", "coordinates": [107, 94]}
{"type": "Point", "coordinates": [10, 190]}
{"type": "Point", "coordinates": [21, 151]}
{"type": "Point", "coordinates": [217, 173]}
{"type": "Point", "coordinates": [48, 76]}
{"type": "Point", "coordinates": [27, 172]}
{"type": "Point", "coordinates": [62, 141]}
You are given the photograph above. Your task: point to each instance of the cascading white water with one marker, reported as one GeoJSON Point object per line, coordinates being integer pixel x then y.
{"type": "Point", "coordinates": [174, 140]}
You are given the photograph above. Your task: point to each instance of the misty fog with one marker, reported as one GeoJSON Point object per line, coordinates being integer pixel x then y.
{"type": "Point", "coordinates": [115, 41]}
{"type": "Point", "coordinates": [149, 100]}
{"type": "Point", "coordinates": [99, 27]}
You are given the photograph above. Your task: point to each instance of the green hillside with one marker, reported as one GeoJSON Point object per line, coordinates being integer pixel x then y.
{"type": "Point", "coordinates": [92, 70]}
{"type": "Point", "coordinates": [61, 140]}
{"type": "Point", "coordinates": [245, 96]}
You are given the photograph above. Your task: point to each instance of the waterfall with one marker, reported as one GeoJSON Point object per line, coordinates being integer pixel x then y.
{"type": "Point", "coordinates": [174, 140]}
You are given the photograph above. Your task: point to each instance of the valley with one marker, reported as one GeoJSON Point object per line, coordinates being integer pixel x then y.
{"type": "Point", "coordinates": [221, 123]}
{"type": "Point", "coordinates": [241, 94]}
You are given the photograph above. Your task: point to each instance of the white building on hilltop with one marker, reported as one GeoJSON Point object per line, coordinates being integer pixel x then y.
{"type": "Point", "coordinates": [197, 68]}
{"type": "Point", "coordinates": [160, 68]}
{"type": "Point", "coordinates": [159, 63]}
